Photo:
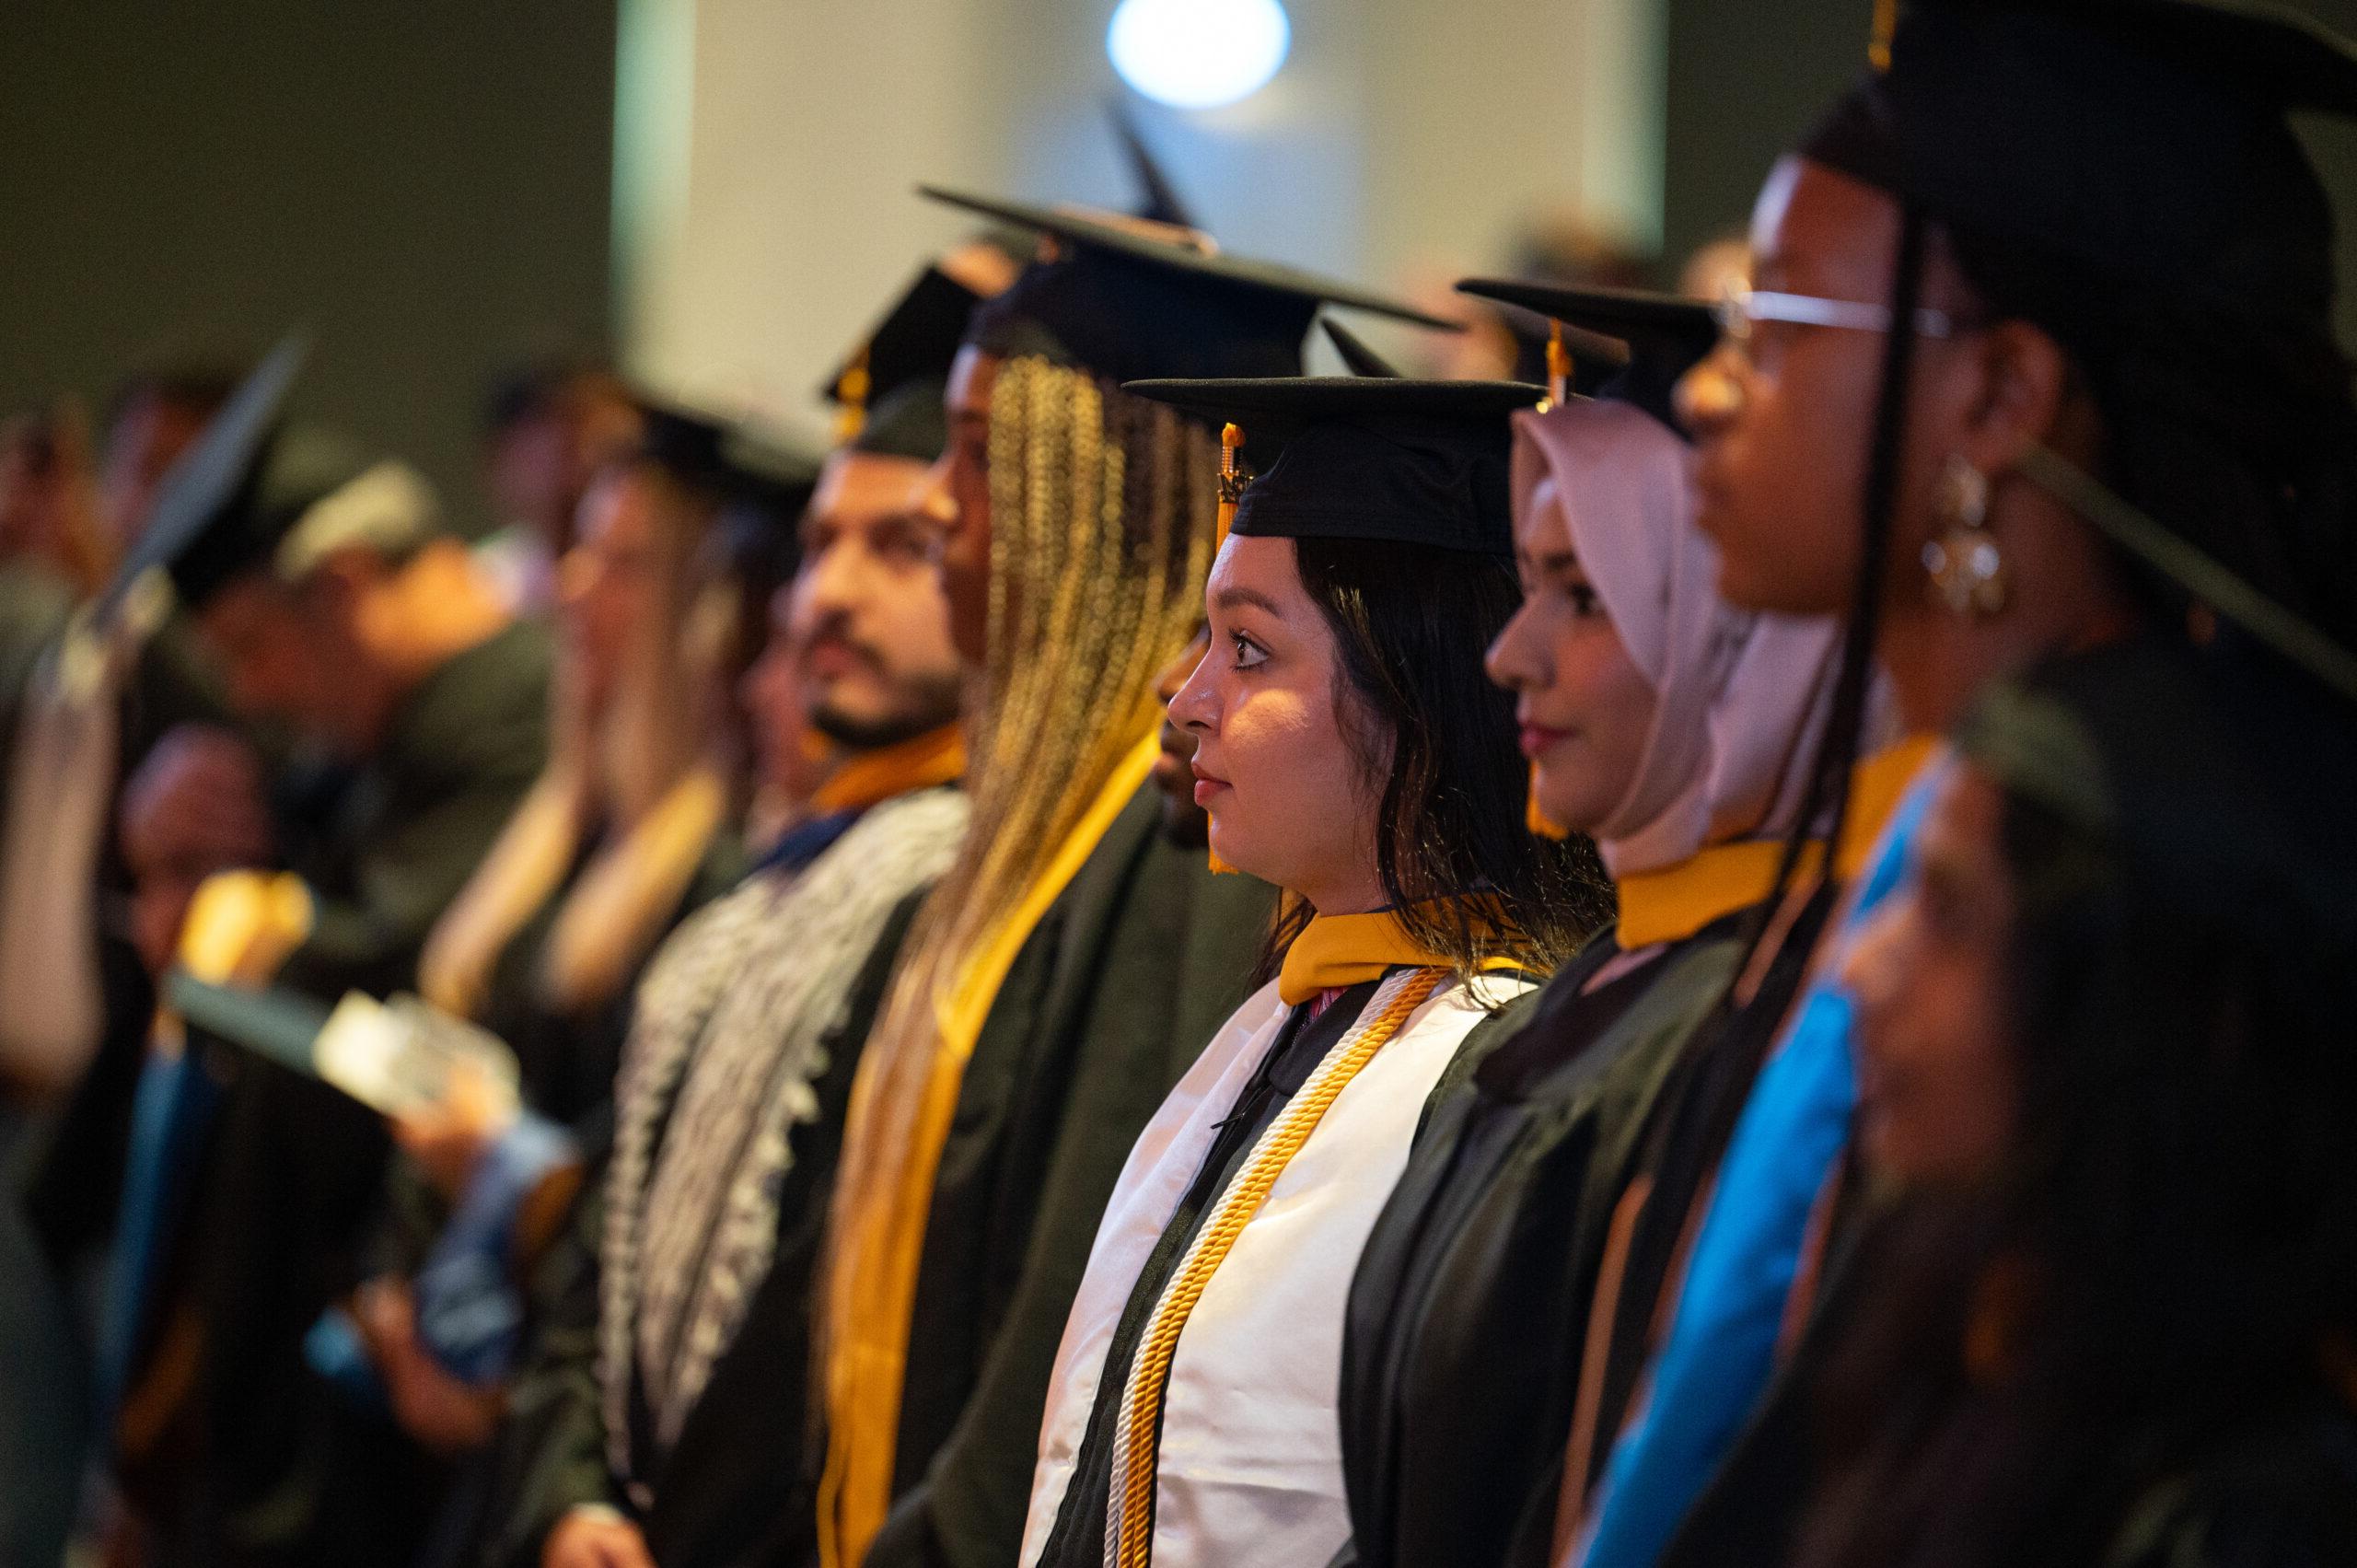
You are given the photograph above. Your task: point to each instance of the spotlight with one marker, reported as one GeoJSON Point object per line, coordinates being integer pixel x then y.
{"type": "Point", "coordinates": [1198, 54]}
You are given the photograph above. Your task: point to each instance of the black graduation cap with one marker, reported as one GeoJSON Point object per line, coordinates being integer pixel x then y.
{"type": "Point", "coordinates": [196, 528]}
{"type": "Point", "coordinates": [735, 461]}
{"type": "Point", "coordinates": [2146, 139]}
{"type": "Point", "coordinates": [297, 468]}
{"type": "Point", "coordinates": [1654, 338]}
{"type": "Point", "coordinates": [768, 475]}
{"type": "Point", "coordinates": [1412, 462]}
{"type": "Point", "coordinates": [681, 437]}
{"type": "Point", "coordinates": [1127, 302]}
{"type": "Point", "coordinates": [889, 389]}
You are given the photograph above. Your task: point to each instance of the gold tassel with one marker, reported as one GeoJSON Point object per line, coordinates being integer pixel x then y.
{"type": "Point", "coordinates": [1559, 369]}
{"type": "Point", "coordinates": [1886, 24]}
{"type": "Point", "coordinates": [1232, 481]}
{"type": "Point", "coordinates": [850, 398]}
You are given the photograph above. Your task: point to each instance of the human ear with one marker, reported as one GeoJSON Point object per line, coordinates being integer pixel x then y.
{"type": "Point", "coordinates": [2020, 395]}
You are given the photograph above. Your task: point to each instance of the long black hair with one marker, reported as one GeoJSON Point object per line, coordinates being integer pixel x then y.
{"type": "Point", "coordinates": [2164, 1267]}
{"type": "Point", "coordinates": [1453, 851]}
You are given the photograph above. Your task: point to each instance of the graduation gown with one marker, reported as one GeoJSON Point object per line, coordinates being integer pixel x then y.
{"type": "Point", "coordinates": [745, 1045]}
{"type": "Point", "coordinates": [567, 1060]}
{"type": "Point", "coordinates": [1249, 1463]}
{"type": "Point", "coordinates": [1111, 999]}
{"type": "Point", "coordinates": [295, 1172]}
{"type": "Point", "coordinates": [2279, 1492]}
{"type": "Point", "coordinates": [1462, 1353]}
{"type": "Point", "coordinates": [734, 1489]}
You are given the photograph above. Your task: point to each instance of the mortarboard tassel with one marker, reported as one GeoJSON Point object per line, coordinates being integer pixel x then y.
{"type": "Point", "coordinates": [1559, 369]}
{"type": "Point", "coordinates": [851, 397]}
{"type": "Point", "coordinates": [1232, 481]}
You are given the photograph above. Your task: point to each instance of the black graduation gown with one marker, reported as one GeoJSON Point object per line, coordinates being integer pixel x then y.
{"type": "Point", "coordinates": [1466, 1319]}
{"type": "Point", "coordinates": [567, 1061]}
{"type": "Point", "coordinates": [1127, 977]}
{"type": "Point", "coordinates": [735, 1490]}
{"type": "Point", "coordinates": [1696, 1111]}
{"type": "Point", "coordinates": [2282, 1495]}
{"type": "Point", "coordinates": [288, 1473]}
{"type": "Point", "coordinates": [2279, 1492]}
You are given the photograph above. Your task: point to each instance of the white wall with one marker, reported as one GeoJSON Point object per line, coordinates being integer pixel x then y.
{"type": "Point", "coordinates": [765, 149]}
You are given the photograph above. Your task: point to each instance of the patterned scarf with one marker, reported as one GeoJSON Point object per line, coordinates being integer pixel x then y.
{"type": "Point", "coordinates": [727, 1042]}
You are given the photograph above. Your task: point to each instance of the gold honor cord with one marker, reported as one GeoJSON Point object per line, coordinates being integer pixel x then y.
{"type": "Point", "coordinates": [1886, 24]}
{"type": "Point", "coordinates": [1137, 1436]}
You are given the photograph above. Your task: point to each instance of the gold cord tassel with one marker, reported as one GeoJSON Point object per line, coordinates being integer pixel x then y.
{"type": "Point", "coordinates": [1886, 24]}
{"type": "Point", "coordinates": [1232, 481]}
{"type": "Point", "coordinates": [1559, 369]}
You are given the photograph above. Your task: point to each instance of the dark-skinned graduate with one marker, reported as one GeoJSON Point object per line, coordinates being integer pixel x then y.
{"type": "Point", "coordinates": [1350, 752]}
{"type": "Point", "coordinates": [1077, 957]}
{"type": "Point", "coordinates": [1673, 730]}
{"type": "Point", "coordinates": [2041, 357]}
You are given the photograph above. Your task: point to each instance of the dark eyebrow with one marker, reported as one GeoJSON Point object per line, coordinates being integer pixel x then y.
{"type": "Point", "coordinates": [1552, 562]}
{"type": "Point", "coordinates": [1229, 599]}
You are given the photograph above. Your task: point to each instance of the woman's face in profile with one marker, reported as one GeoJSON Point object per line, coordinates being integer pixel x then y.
{"type": "Point", "coordinates": [1281, 765]}
{"type": "Point", "coordinates": [1936, 1042]}
{"type": "Point", "coordinates": [1581, 707]}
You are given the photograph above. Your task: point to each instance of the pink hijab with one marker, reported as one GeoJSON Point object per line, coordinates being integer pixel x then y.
{"type": "Point", "coordinates": [1740, 697]}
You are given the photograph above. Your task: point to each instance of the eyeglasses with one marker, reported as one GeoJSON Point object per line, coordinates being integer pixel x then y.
{"type": "Point", "coordinates": [1740, 309]}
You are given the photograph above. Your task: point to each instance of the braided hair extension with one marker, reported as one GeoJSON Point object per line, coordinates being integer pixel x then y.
{"type": "Point", "coordinates": [1101, 521]}
{"type": "Point", "coordinates": [1101, 506]}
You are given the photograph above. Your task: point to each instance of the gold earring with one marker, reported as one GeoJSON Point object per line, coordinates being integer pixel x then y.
{"type": "Point", "coordinates": [1967, 569]}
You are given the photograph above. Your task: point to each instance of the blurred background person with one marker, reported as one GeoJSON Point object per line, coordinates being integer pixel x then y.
{"type": "Point", "coordinates": [337, 603]}
{"type": "Point", "coordinates": [631, 828]}
{"type": "Point", "coordinates": [630, 825]}
{"type": "Point", "coordinates": [549, 427]}
{"type": "Point", "coordinates": [664, 1414]}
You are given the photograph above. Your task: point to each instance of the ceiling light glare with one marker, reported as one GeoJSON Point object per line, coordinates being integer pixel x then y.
{"type": "Point", "coordinates": [1198, 54]}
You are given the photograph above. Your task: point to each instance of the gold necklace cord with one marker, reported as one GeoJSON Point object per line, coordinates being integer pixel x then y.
{"type": "Point", "coordinates": [1137, 1434]}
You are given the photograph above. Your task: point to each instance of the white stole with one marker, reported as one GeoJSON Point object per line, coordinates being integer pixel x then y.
{"type": "Point", "coordinates": [1252, 1449]}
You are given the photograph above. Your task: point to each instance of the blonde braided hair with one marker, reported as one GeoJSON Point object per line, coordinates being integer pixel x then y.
{"type": "Point", "coordinates": [1101, 523]}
